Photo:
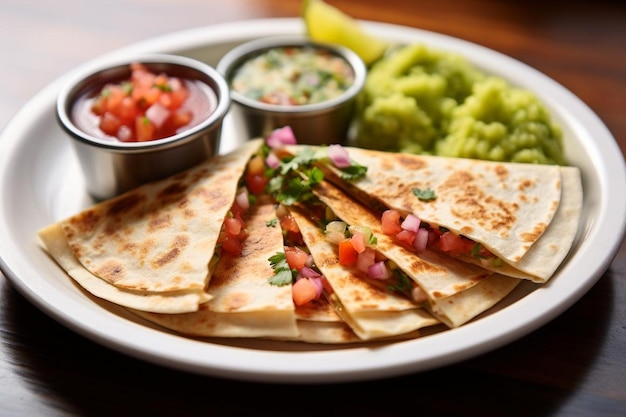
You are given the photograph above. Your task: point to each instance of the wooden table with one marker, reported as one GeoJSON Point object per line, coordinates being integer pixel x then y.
{"type": "Point", "coordinates": [573, 366]}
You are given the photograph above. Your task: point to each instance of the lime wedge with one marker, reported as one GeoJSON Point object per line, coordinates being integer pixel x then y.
{"type": "Point", "coordinates": [326, 23]}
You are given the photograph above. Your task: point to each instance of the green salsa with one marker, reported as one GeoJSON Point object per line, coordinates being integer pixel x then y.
{"type": "Point", "coordinates": [293, 76]}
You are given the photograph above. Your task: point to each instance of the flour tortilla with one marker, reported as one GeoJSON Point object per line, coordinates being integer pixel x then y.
{"type": "Point", "coordinates": [456, 291]}
{"type": "Point", "coordinates": [438, 275]}
{"type": "Point", "coordinates": [245, 305]}
{"type": "Point", "coordinates": [369, 310]}
{"type": "Point", "coordinates": [154, 242]}
{"type": "Point", "coordinates": [165, 302]}
{"type": "Point", "coordinates": [526, 214]}
{"type": "Point", "coordinates": [464, 306]}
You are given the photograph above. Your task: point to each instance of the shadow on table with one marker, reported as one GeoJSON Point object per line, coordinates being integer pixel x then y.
{"type": "Point", "coordinates": [536, 373]}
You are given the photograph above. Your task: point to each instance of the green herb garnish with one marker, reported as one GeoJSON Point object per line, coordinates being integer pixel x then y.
{"type": "Point", "coordinates": [353, 172]}
{"type": "Point", "coordinates": [282, 273]}
{"type": "Point", "coordinates": [403, 283]}
{"type": "Point", "coordinates": [166, 88]}
{"type": "Point", "coordinates": [424, 195]}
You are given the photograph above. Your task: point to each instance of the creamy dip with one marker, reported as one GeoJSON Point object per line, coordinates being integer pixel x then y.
{"type": "Point", "coordinates": [293, 76]}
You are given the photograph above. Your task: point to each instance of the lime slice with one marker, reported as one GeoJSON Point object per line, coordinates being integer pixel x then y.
{"type": "Point", "coordinates": [325, 23]}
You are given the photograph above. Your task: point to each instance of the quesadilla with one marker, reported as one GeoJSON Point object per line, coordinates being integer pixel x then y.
{"type": "Point", "coordinates": [151, 248]}
{"type": "Point", "coordinates": [246, 305]}
{"type": "Point", "coordinates": [370, 310]}
{"type": "Point", "coordinates": [243, 303]}
{"type": "Point", "coordinates": [455, 291]}
{"type": "Point", "coordinates": [524, 216]}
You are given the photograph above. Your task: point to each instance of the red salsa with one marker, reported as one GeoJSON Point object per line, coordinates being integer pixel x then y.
{"type": "Point", "coordinates": [145, 107]}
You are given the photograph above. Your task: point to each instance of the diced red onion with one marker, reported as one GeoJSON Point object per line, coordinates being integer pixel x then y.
{"type": "Point", "coordinates": [272, 160]}
{"type": "Point", "coordinates": [175, 84]}
{"type": "Point", "coordinates": [421, 240]}
{"type": "Point", "coordinates": [366, 259]}
{"type": "Point", "coordinates": [411, 222]}
{"type": "Point", "coordinates": [378, 271]}
{"type": "Point", "coordinates": [242, 200]}
{"type": "Point", "coordinates": [281, 137]}
{"type": "Point", "coordinates": [319, 287]}
{"type": "Point", "coordinates": [339, 156]}
{"type": "Point", "coordinates": [124, 133]}
{"type": "Point", "coordinates": [157, 114]}
{"type": "Point", "coordinates": [308, 272]}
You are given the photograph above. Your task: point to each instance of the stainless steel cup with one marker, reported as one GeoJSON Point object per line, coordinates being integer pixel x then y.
{"type": "Point", "coordinates": [316, 124]}
{"type": "Point", "coordinates": [112, 167]}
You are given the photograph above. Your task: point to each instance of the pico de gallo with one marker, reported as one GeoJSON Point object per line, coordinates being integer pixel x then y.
{"type": "Point", "coordinates": [411, 232]}
{"type": "Point", "coordinates": [146, 106]}
{"type": "Point", "coordinates": [356, 247]}
{"type": "Point", "coordinates": [296, 265]}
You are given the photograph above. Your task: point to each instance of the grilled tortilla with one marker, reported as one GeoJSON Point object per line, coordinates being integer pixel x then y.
{"type": "Point", "coordinates": [150, 248]}
{"type": "Point", "coordinates": [526, 214]}
{"type": "Point", "coordinates": [371, 311]}
{"type": "Point", "coordinates": [456, 291]}
{"type": "Point", "coordinates": [244, 304]}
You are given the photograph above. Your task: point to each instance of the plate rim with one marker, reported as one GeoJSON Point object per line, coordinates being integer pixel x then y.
{"type": "Point", "coordinates": [325, 365]}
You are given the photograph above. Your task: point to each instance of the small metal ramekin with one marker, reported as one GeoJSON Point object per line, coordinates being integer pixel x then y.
{"type": "Point", "coordinates": [316, 124]}
{"type": "Point", "coordinates": [111, 167]}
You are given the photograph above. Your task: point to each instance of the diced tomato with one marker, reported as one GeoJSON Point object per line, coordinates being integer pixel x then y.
{"type": "Point", "coordinates": [390, 222]}
{"type": "Point", "coordinates": [365, 259]}
{"type": "Point", "coordinates": [295, 257]}
{"type": "Point", "coordinates": [451, 243]}
{"type": "Point", "coordinates": [233, 226]}
{"type": "Point", "coordinates": [288, 223]}
{"type": "Point", "coordinates": [358, 242]}
{"type": "Point", "coordinates": [232, 245]}
{"type": "Point", "coordinates": [110, 124]}
{"type": "Point", "coordinates": [406, 236]}
{"type": "Point", "coordinates": [255, 178]}
{"type": "Point", "coordinates": [114, 98]}
{"type": "Point", "coordinates": [177, 98]}
{"type": "Point", "coordinates": [256, 183]}
{"type": "Point", "coordinates": [303, 291]}
{"type": "Point", "coordinates": [256, 165]}
{"type": "Point", "coordinates": [347, 254]}
{"type": "Point", "coordinates": [180, 118]}
{"type": "Point", "coordinates": [127, 110]}
{"type": "Point", "coordinates": [144, 129]}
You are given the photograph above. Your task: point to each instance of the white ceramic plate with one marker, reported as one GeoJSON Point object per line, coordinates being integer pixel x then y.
{"type": "Point", "coordinates": [40, 183]}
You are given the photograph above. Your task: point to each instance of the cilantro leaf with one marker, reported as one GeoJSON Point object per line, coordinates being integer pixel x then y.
{"type": "Point", "coordinates": [305, 157]}
{"type": "Point", "coordinates": [298, 189]}
{"type": "Point", "coordinates": [424, 195]}
{"type": "Point", "coordinates": [353, 172]}
{"type": "Point", "coordinates": [403, 283]}
{"type": "Point", "coordinates": [282, 273]}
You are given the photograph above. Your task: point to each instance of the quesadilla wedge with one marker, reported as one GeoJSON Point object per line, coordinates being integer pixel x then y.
{"type": "Point", "coordinates": [243, 303]}
{"type": "Point", "coordinates": [246, 305]}
{"type": "Point", "coordinates": [370, 310]}
{"type": "Point", "coordinates": [452, 290]}
{"type": "Point", "coordinates": [524, 216]}
{"type": "Point", "coordinates": [151, 248]}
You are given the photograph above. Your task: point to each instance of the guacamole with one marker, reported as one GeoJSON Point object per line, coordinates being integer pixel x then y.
{"type": "Point", "coordinates": [427, 101]}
